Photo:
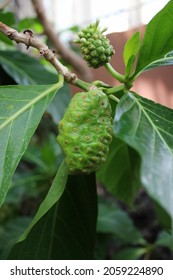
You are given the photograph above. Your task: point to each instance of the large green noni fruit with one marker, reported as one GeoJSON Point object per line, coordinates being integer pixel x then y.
{"type": "Point", "coordinates": [85, 132]}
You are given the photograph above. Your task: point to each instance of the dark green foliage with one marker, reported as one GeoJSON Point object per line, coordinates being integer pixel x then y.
{"type": "Point", "coordinates": [125, 162]}
{"type": "Point", "coordinates": [85, 132]}
{"type": "Point", "coordinates": [20, 67]}
{"type": "Point", "coordinates": [68, 229]}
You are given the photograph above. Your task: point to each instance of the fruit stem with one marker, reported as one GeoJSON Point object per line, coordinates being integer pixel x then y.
{"type": "Point", "coordinates": [114, 98]}
{"type": "Point", "coordinates": [113, 90]}
{"type": "Point", "coordinates": [81, 84]}
{"type": "Point", "coordinates": [114, 73]}
{"type": "Point", "coordinates": [101, 84]}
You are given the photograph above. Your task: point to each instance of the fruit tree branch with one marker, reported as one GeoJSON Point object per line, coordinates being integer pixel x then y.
{"type": "Point", "coordinates": [67, 54]}
{"type": "Point", "coordinates": [29, 40]}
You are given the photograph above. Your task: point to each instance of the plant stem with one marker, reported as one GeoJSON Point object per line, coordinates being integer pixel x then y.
{"type": "Point", "coordinates": [114, 89]}
{"type": "Point", "coordinates": [114, 98]}
{"type": "Point", "coordinates": [81, 84]}
{"type": "Point", "coordinates": [28, 39]}
{"type": "Point", "coordinates": [114, 73]}
{"type": "Point", "coordinates": [101, 84]}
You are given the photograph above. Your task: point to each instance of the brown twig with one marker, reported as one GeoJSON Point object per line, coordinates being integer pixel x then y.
{"type": "Point", "coordinates": [28, 39]}
{"type": "Point", "coordinates": [67, 54]}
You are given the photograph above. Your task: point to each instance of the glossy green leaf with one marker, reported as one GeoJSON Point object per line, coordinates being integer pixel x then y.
{"type": "Point", "coordinates": [51, 198]}
{"type": "Point", "coordinates": [120, 173]}
{"type": "Point", "coordinates": [68, 229]}
{"type": "Point", "coordinates": [165, 61]}
{"type": "Point", "coordinates": [129, 65]}
{"type": "Point", "coordinates": [25, 69]}
{"type": "Point", "coordinates": [21, 109]}
{"type": "Point", "coordinates": [148, 128]}
{"type": "Point", "coordinates": [157, 41]}
{"type": "Point", "coordinates": [20, 67]}
{"type": "Point", "coordinates": [131, 49]}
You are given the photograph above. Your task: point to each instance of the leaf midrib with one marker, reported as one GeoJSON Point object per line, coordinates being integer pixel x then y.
{"type": "Point", "coordinates": [160, 136]}
{"type": "Point", "coordinates": [160, 60]}
{"type": "Point", "coordinates": [152, 124]}
{"type": "Point", "coordinates": [28, 106]}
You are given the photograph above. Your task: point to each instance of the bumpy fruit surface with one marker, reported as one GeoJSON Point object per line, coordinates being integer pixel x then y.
{"type": "Point", "coordinates": [95, 47]}
{"type": "Point", "coordinates": [85, 132]}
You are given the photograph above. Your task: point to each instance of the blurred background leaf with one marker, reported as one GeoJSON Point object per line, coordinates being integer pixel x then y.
{"type": "Point", "coordinates": [20, 66]}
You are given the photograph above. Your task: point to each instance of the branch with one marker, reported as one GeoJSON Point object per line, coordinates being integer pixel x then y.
{"type": "Point", "coordinates": [28, 39]}
{"type": "Point", "coordinates": [68, 55]}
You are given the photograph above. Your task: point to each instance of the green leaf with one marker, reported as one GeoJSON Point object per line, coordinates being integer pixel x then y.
{"type": "Point", "coordinates": [112, 219]}
{"type": "Point", "coordinates": [130, 254]}
{"type": "Point", "coordinates": [25, 69]}
{"type": "Point", "coordinates": [60, 103]}
{"type": "Point", "coordinates": [9, 233]}
{"type": "Point", "coordinates": [165, 61]}
{"type": "Point", "coordinates": [131, 49]}
{"type": "Point", "coordinates": [20, 67]}
{"type": "Point", "coordinates": [7, 18]}
{"type": "Point", "coordinates": [163, 218]}
{"type": "Point", "coordinates": [5, 79]}
{"type": "Point", "coordinates": [5, 39]}
{"type": "Point", "coordinates": [51, 198]}
{"type": "Point", "coordinates": [68, 229]}
{"type": "Point", "coordinates": [129, 65]}
{"type": "Point", "coordinates": [21, 109]}
{"type": "Point", "coordinates": [120, 173]}
{"type": "Point", "coordinates": [164, 239]}
{"type": "Point", "coordinates": [148, 128]}
{"type": "Point", "coordinates": [157, 41]}
{"type": "Point", "coordinates": [29, 23]}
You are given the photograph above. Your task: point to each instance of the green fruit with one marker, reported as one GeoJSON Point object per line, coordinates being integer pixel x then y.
{"type": "Point", "coordinates": [95, 47]}
{"type": "Point", "coordinates": [85, 132]}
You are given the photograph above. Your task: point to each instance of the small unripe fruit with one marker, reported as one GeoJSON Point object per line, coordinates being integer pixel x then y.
{"type": "Point", "coordinates": [93, 43]}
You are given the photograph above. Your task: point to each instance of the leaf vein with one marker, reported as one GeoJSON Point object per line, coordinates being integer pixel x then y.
{"type": "Point", "coordinates": [153, 125]}
{"type": "Point", "coordinates": [28, 105]}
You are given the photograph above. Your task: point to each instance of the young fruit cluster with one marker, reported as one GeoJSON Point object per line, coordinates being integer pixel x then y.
{"type": "Point", "coordinates": [95, 47]}
{"type": "Point", "coordinates": [85, 132]}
